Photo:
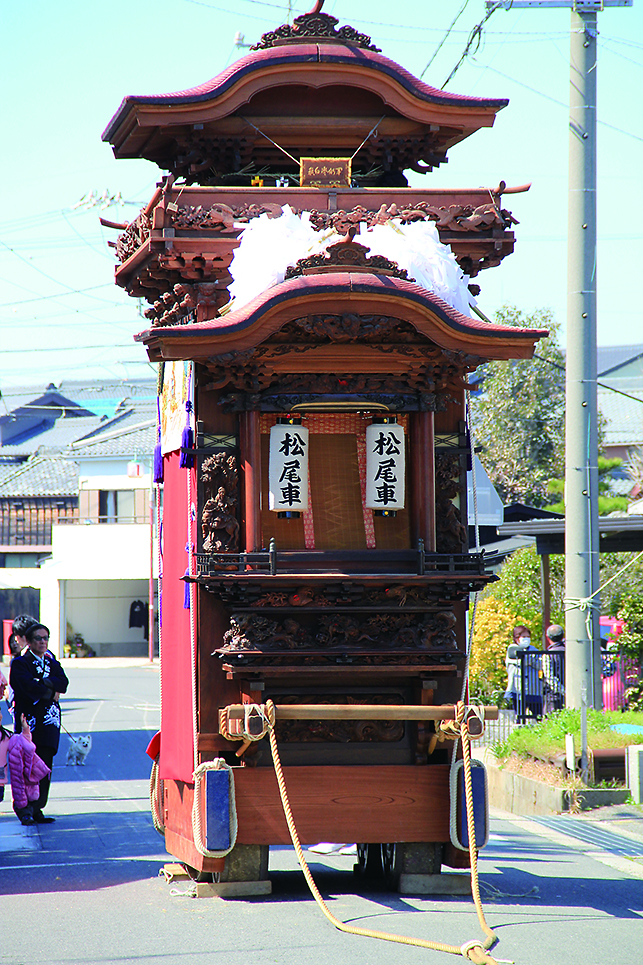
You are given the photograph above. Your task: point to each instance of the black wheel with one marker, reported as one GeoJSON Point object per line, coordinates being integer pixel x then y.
{"type": "Point", "coordinates": [391, 858]}
{"type": "Point", "coordinates": [369, 861]}
{"type": "Point", "coordinates": [198, 876]}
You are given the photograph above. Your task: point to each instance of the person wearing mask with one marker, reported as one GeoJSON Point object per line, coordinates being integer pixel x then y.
{"type": "Point", "coordinates": [523, 674]}
{"type": "Point", "coordinates": [38, 680]}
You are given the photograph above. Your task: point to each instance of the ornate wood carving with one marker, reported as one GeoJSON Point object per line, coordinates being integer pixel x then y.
{"type": "Point", "coordinates": [350, 327]}
{"type": "Point", "coordinates": [219, 525]}
{"type": "Point", "coordinates": [451, 535]}
{"type": "Point", "coordinates": [341, 731]}
{"type": "Point", "coordinates": [454, 217]}
{"type": "Point", "coordinates": [136, 233]}
{"type": "Point", "coordinates": [342, 632]}
{"type": "Point", "coordinates": [185, 304]}
{"type": "Point", "coordinates": [347, 255]}
{"type": "Point", "coordinates": [311, 28]}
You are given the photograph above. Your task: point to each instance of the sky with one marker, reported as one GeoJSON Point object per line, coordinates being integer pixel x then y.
{"type": "Point", "coordinates": [66, 66]}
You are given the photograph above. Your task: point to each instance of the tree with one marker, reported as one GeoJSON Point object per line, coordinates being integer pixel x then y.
{"type": "Point", "coordinates": [519, 418]}
{"type": "Point", "coordinates": [606, 502]}
{"type": "Point", "coordinates": [491, 637]}
{"type": "Point", "coordinates": [519, 589]}
{"type": "Point", "coordinates": [514, 599]}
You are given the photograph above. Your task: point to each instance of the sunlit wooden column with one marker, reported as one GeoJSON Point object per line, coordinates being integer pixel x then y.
{"type": "Point", "coordinates": [251, 469]}
{"type": "Point", "coordinates": [422, 457]}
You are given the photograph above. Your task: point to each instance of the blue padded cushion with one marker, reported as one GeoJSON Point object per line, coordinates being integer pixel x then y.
{"type": "Point", "coordinates": [479, 806]}
{"type": "Point", "coordinates": [217, 810]}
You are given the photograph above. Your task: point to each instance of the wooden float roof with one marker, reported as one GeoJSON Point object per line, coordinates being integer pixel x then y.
{"type": "Point", "coordinates": [312, 94]}
{"type": "Point", "coordinates": [355, 292]}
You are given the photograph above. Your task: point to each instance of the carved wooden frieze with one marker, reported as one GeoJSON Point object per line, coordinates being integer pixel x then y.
{"type": "Point", "coordinates": [453, 217]}
{"type": "Point", "coordinates": [136, 233]}
{"type": "Point", "coordinates": [343, 632]}
{"type": "Point", "coordinates": [219, 525]}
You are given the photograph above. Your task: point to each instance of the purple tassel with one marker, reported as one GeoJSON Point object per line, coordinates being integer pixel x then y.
{"type": "Point", "coordinates": [186, 592]}
{"type": "Point", "coordinates": [187, 442]}
{"type": "Point", "coordinates": [157, 465]}
{"type": "Point", "coordinates": [187, 436]}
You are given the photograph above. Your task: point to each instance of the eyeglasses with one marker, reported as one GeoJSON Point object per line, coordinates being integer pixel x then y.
{"type": "Point", "coordinates": [40, 639]}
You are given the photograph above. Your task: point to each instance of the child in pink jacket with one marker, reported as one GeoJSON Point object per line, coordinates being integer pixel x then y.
{"type": "Point", "coordinates": [5, 737]}
{"type": "Point", "coordinates": [27, 770]}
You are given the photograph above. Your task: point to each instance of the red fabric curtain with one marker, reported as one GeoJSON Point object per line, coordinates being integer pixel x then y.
{"type": "Point", "coordinates": [177, 742]}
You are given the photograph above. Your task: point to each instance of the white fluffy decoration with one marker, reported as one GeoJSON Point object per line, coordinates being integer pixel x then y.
{"type": "Point", "coordinates": [417, 247]}
{"type": "Point", "coordinates": [269, 245]}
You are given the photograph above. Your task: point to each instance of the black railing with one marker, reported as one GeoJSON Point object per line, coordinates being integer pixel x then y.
{"type": "Point", "coordinates": [539, 684]}
{"type": "Point", "coordinates": [400, 562]}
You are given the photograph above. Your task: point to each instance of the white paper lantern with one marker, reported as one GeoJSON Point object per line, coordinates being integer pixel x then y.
{"type": "Point", "coordinates": [288, 468]}
{"type": "Point", "coordinates": [385, 466]}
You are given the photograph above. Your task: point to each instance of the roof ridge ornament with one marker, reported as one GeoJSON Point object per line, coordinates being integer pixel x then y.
{"type": "Point", "coordinates": [315, 27]}
{"type": "Point", "coordinates": [347, 255]}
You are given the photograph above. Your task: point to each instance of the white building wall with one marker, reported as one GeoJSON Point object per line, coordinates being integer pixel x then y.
{"type": "Point", "coordinates": [99, 610]}
{"type": "Point", "coordinates": [95, 573]}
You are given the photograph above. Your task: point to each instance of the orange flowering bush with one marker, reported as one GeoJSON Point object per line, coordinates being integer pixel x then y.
{"type": "Point", "coordinates": [491, 637]}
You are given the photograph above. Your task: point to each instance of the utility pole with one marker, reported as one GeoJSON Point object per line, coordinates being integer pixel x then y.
{"type": "Point", "coordinates": [583, 647]}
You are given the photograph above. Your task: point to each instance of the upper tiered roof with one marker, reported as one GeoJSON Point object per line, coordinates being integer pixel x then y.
{"type": "Point", "coordinates": [308, 89]}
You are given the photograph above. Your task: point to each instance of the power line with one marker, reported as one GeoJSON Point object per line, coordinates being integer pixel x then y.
{"type": "Point", "coordinates": [602, 385]}
{"type": "Point", "coordinates": [553, 100]}
{"type": "Point", "coordinates": [473, 43]}
{"type": "Point", "coordinates": [446, 36]}
{"type": "Point", "coordinates": [42, 298]}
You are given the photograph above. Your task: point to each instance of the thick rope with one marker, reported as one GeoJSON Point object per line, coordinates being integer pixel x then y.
{"type": "Point", "coordinates": [156, 793]}
{"type": "Point", "coordinates": [197, 808]}
{"type": "Point", "coordinates": [475, 951]}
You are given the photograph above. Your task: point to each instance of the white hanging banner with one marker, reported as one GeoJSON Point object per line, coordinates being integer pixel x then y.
{"type": "Point", "coordinates": [384, 466]}
{"type": "Point", "coordinates": [288, 469]}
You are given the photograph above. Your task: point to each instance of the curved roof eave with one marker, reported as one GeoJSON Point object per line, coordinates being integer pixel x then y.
{"type": "Point", "coordinates": [294, 55]}
{"type": "Point", "coordinates": [356, 292]}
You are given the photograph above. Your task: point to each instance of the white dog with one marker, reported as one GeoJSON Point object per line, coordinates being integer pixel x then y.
{"type": "Point", "coordinates": [79, 748]}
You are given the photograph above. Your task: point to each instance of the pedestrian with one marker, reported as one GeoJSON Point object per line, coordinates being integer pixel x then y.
{"type": "Point", "coordinates": [17, 643]}
{"type": "Point", "coordinates": [554, 666]}
{"type": "Point", "coordinates": [38, 680]}
{"type": "Point", "coordinates": [19, 627]}
{"type": "Point", "coordinates": [524, 685]}
{"type": "Point", "coordinates": [28, 770]}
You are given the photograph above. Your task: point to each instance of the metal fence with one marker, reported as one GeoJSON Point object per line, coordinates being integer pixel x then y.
{"type": "Point", "coordinates": [540, 689]}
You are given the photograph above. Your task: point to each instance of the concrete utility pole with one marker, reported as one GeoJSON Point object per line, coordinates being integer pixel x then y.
{"type": "Point", "coordinates": [582, 657]}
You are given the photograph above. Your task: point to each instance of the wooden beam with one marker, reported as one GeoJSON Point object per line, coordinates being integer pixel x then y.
{"type": "Point", "coordinates": [422, 458]}
{"type": "Point", "coordinates": [251, 469]}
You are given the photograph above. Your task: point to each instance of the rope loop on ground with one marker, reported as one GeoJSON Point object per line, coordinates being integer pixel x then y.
{"type": "Point", "coordinates": [197, 808]}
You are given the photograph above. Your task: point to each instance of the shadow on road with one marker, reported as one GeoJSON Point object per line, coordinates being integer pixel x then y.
{"type": "Point", "coordinates": [116, 755]}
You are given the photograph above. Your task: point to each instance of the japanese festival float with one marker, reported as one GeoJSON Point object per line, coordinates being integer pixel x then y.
{"type": "Point", "coordinates": [314, 325]}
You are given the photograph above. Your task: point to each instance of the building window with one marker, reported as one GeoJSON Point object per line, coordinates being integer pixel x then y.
{"type": "Point", "coordinates": [117, 506]}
